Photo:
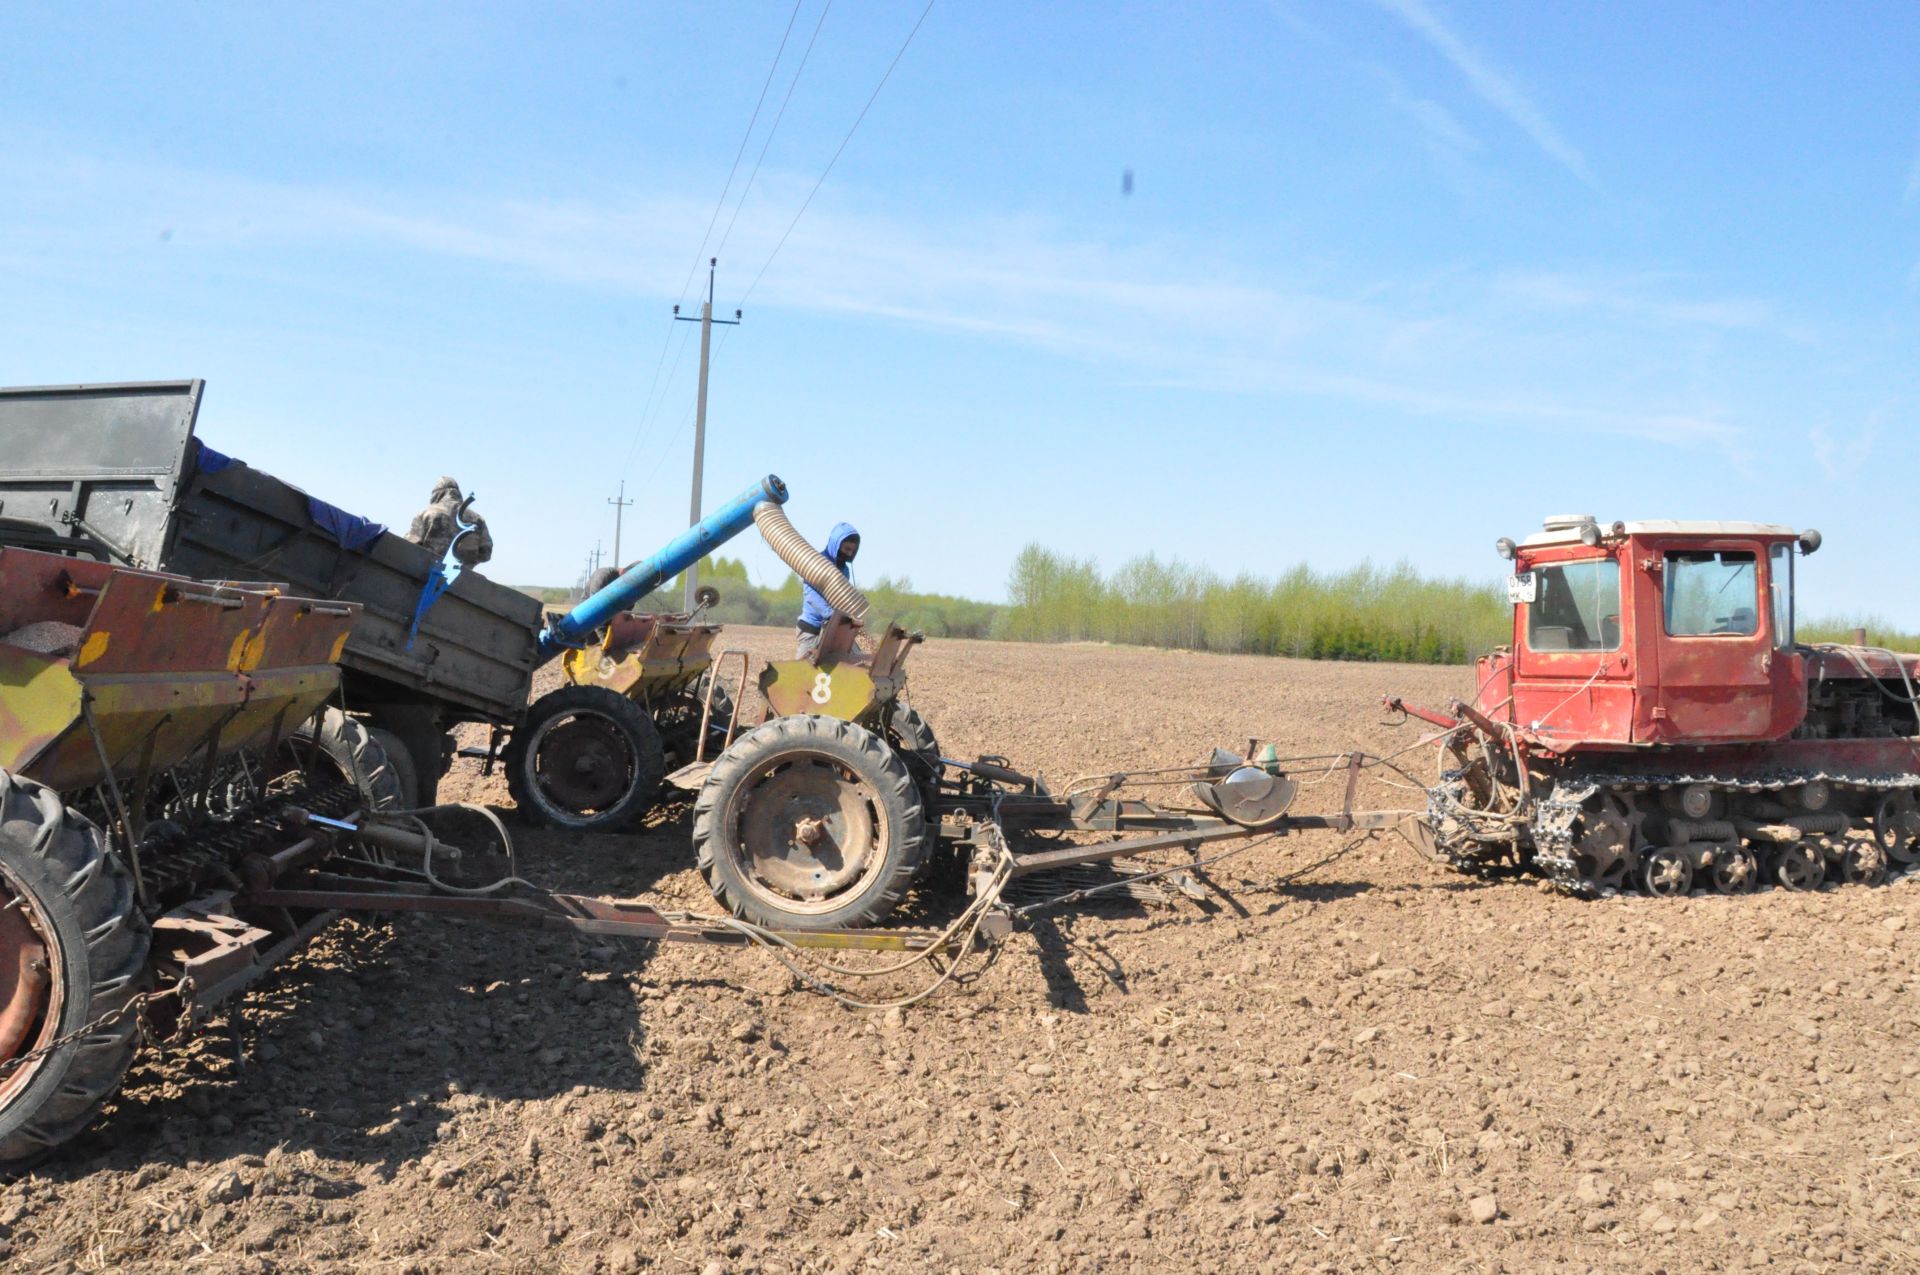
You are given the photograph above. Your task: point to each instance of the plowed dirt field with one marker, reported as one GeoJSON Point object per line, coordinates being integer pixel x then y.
{"type": "Point", "coordinates": [1370, 1065]}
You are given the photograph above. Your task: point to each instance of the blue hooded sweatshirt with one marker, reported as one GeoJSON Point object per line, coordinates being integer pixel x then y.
{"type": "Point", "coordinates": [814, 607]}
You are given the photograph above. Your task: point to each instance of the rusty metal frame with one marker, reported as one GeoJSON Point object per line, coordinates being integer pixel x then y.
{"type": "Point", "coordinates": [706, 707]}
{"type": "Point", "coordinates": [974, 812]}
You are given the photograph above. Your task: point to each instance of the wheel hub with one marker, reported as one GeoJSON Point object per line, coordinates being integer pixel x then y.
{"type": "Point", "coordinates": [1798, 866]}
{"type": "Point", "coordinates": [1896, 826]}
{"type": "Point", "coordinates": [811, 829]}
{"type": "Point", "coordinates": [1735, 870]}
{"type": "Point", "coordinates": [26, 986]}
{"type": "Point", "coordinates": [1863, 862]}
{"type": "Point", "coordinates": [1668, 873]}
{"type": "Point", "coordinates": [583, 764]}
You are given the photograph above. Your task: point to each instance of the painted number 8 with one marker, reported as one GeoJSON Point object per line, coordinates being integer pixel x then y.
{"type": "Point", "coordinates": [822, 687]}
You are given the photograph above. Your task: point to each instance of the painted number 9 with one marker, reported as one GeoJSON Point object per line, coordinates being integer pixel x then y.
{"type": "Point", "coordinates": [822, 687]}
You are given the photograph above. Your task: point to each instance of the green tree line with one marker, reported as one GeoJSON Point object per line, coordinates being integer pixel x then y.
{"type": "Point", "coordinates": [1364, 613]}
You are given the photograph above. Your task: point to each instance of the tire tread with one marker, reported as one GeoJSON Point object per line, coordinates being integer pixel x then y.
{"type": "Point", "coordinates": [96, 892]}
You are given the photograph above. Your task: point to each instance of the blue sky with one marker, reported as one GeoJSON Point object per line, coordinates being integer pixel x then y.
{"type": "Point", "coordinates": [1395, 277]}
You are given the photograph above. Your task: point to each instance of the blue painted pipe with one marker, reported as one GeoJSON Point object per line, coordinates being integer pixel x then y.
{"type": "Point", "coordinates": [688, 548]}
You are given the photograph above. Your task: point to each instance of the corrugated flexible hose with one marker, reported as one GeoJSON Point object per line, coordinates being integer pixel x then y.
{"type": "Point", "coordinates": [808, 562]}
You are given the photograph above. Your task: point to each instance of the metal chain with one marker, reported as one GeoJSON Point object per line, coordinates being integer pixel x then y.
{"type": "Point", "coordinates": [182, 989]}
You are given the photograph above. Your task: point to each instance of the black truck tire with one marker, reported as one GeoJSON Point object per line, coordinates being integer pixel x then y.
{"type": "Point", "coordinates": [809, 823]}
{"type": "Point", "coordinates": [400, 760]}
{"type": "Point", "coordinates": [678, 720]}
{"type": "Point", "coordinates": [357, 754]}
{"type": "Point", "coordinates": [586, 758]}
{"type": "Point", "coordinates": [76, 901]}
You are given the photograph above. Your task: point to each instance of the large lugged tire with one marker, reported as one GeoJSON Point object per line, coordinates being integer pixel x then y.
{"type": "Point", "coordinates": [73, 949]}
{"type": "Point", "coordinates": [809, 823]}
{"type": "Point", "coordinates": [358, 757]}
{"type": "Point", "coordinates": [912, 737]}
{"type": "Point", "coordinates": [586, 758]}
{"type": "Point", "coordinates": [400, 761]}
{"type": "Point", "coordinates": [678, 720]}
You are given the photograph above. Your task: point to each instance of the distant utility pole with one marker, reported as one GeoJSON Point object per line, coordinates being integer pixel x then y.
{"type": "Point", "coordinates": [619, 504]}
{"type": "Point", "coordinates": [700, 410]}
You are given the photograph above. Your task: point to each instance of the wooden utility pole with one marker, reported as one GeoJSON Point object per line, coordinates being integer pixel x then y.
{"type": "Point", "coordinates": [619, 504]}
{"type": "Point", "coordinates": [706, 322]}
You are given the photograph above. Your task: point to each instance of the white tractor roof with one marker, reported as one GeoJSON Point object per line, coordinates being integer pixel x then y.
{"type": "Point", "coordinates": [1562, 534]}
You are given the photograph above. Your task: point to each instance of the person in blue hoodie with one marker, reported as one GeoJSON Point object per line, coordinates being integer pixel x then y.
{"type": "Point", "coordinates": [842, 544]}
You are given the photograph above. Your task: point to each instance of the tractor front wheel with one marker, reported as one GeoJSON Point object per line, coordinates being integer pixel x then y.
{"type": "Point", "coordinates": [809, 823]}
{"type": "Point", "coordinates": [586, 758]}
{"type": "Point", "coordinates": [73, 956]}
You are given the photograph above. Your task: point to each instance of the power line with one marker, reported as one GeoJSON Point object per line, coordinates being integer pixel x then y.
{"type": "Point", "coordinates": [660, 456]}
{"type": "Point", "coordinates": [650, 414]}
{"type": "Point", "coordinates": [721, 202]}
{"type": "Point", "coordinates": [648, 404]}
{"type": "Point", "coordinates": [718, 204]}
{"type": "Point", "coordinates": [836, 154]}
{"type": "Point", "coordinates": [780, 115]}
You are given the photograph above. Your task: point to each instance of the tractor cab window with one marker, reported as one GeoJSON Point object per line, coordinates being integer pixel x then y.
{"type": "Point", "coordinates": [1712, 591]}
{"type": "Point", "coordinates": [1576, 607]}
{"type": "Point", "coordinates": [1780, 573]}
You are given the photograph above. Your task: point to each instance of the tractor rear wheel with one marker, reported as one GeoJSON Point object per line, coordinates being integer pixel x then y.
{"type": "Point", "coordinates": [73, 956]}
{"type": "Point", "coordinates": [586, 758]}
{"type": "Point", "coordinates": [809, 823]}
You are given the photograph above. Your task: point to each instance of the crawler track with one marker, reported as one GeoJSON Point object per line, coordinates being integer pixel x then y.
{"type": "Point", "coordinates": [1596, 835]}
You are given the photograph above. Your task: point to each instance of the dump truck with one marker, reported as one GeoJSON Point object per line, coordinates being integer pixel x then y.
{"type": "Point", "coordinates": [116, 473]}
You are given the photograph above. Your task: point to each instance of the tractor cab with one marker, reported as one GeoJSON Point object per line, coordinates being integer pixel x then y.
{"type": "Point", "coordinates": [1644, 633]}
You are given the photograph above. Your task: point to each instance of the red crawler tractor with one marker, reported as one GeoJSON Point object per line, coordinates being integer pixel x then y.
{"type": "Point", "coordinates": [1656, 725]}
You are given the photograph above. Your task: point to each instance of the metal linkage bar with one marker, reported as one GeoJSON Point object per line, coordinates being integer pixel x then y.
{"type": "Point", "coordinates": [612, 918]}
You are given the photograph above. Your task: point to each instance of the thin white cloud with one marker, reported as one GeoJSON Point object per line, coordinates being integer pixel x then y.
{"type": "Point", "coordinates": [1492, 84]}
{"type": "Point", "coordinates": [1510, 349]}
{"type": "Point", "coordinates": [1840, 457]}
{"type": "Point", "coordinates": [1447, 140]}
{"type": "Point", "coordinates": [1636, 295]}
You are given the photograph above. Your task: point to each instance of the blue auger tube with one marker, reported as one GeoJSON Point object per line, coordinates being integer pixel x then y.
{"type": "Point", "coordinates": [699, 540]}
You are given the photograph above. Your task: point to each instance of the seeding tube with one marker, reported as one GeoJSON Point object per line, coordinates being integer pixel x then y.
{"type": "Point", "coordinates": [809, 563]}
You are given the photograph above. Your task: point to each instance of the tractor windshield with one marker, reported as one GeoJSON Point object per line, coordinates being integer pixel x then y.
{"type": "Point", "coordinates": [1712, 591]}
{"type": "Point", "coordinates": [1576, 607]}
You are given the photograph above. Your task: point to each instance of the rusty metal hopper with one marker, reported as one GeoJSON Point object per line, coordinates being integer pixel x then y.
{"type": "Point", "coordinates": [644, 657]}
{"type": "Point", "coordinates": [162, 665]}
